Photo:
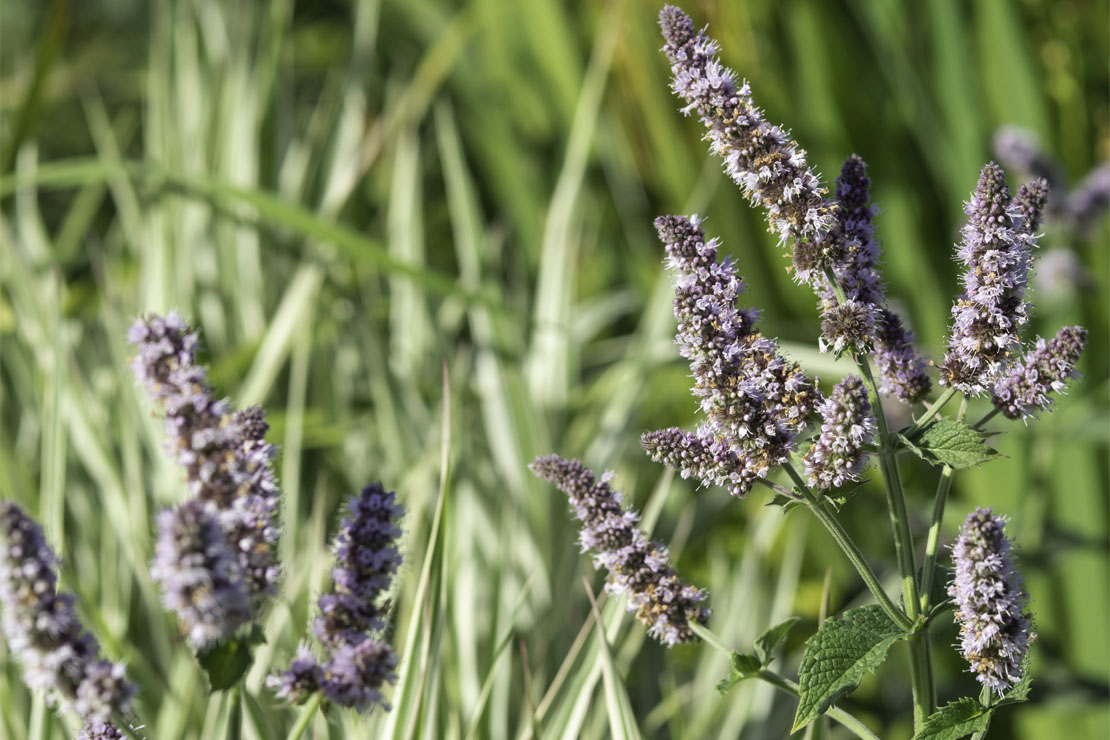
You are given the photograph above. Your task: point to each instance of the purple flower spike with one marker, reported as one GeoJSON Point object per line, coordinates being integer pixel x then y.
{"type": "Point", "coordinates": [760, 157]}
{"type": "Point", "coordinates": [700, 457]}
{"type": "Point", "coordinates": [903, 370]}
{"type": "Point", "coordinates": [366, 559]}
{"type": "Point", "coordinates": [837, 456]}
{"type": "Point", "coordinates": [198, 574]}
{"type": "Point", "coordinates": [226, 460]}
{"type": "Point", "coordinates": [356, 674]}
{"type": "Point", "coordinates": [42, 629]}
{"type": "Point", "coordinates": [638, 568]}
{"type": "Point", "coordinates": [303, 678]}
{"type": "Point", "coordinates": [995, 627]}
{"type": "Point", "coordinates": [1090, 200]}
{"type": "Point", "coordinates": [1030, 202]}
{"type": "Point", "coordinates": [1029, 385]}
{"type": "Point", "coordinates": [755, 402]}
{"type": "Point", "coordinates": [987, 317]}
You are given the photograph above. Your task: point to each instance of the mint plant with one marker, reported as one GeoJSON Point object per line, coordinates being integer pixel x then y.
{"type": "Point", "coordinates": [762, 413]}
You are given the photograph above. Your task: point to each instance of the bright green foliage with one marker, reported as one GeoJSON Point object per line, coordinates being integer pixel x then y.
{"type": "Point", "coordinates": [949, 442]}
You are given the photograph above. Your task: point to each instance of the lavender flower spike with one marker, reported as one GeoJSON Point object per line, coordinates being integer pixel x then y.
{"type": "Point", "coordinates": [227, 463]}
{"type": "Point", "coordinates": [699, 456]}
{"type": "Point", "coordinates": [986, 318]}
{"type": "Point", "coordinates": [1029, 385]}
{"type": "Point", "coordinates": [995, 628]}
{"type": "Point", "coordinates": [838, 455]}
{"type": "Point", "coordinates": [198, 574]}
{"type": "Point", "coordinates": [41, 626]}
{"type": "Point", "coordinates": [100, 731]}
{"type": "Point", "coordinates": [760, 157]}
{"type": "Point", "coordinates": [755, 402]}
{"type": "Point", "coordinates": [638, 568]}
{"type": "Point", "coordinates": [366, 559]}
{"type": "Point", "coordinates": [352, 613]}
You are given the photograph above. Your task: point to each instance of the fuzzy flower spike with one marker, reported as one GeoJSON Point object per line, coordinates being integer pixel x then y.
{"type": "Point", "coordinates": [638, 568]}
{"type": "Point", "coordinates": [227, 466]}
{"type": "Point", "coordinates": [995, 627]}
{"type": "Point", "coordinates": [1028, 387]}
{"type": "Point", "coordinates": [352, 614]}
{"type": "Point", "coordinates": [838, 455]}
{"type": "Point", "coordinates": [986, 319]}
{"type": "Point", "coordinates": [40, 623]}
{"type": "Point", "coordinates": [754, 401]}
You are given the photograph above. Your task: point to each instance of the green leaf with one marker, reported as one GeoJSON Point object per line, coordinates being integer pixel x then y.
{"type": "Point", "coordinates": [228, 661]}
{"type": "Point", "coordinates": [958, 719]}
{"type": "Point", "coordinates": [1020, 692]}
{"type": "Point", "coordinates": [770, 640]}
{"type": "Point", "coordinates": [836, 659]}
{"type": "Point", "coordinates": [948, 442]}
{"type": "Point", "coordinates": [744, 666]}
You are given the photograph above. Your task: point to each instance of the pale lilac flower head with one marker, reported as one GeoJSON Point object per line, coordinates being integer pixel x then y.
{"type": "Point", "coordinates": [995, 627]}
{"type": "Point", "coordinates": [838, 456]}
{"type": "Point", "coordinates": [760, 157]}
{"type": "Point", "coordinates": [754, 401]}
{"type": "Point", "coordinates": [1029, 385]}
{"type": "Point", "coordinates": [226, 460]}
{"type": "Point", "coordinates": [638, 568]}
{"type": "Point", "coordinates": [699, 456]}
{"type": "Point", "coordinates": [366, 559]}
{"type": "Point", "coordinates": [987, 317]}
{"type": "Point", "coordinates": [902, 369]}
{"type": "Point", "coordinates": [356, 673]}
{"type": "Point", "coordinates": [199, 576]}
{"type": "Point", "coordinates": [57, 655]}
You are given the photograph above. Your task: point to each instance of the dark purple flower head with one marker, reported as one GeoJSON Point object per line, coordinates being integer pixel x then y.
{"type": "Point", "coordinates": [1029, 204]}
{"type": "Point", "coordinates": [41, 626]}
{"type": "Point", "coordinates": [356, 673]}
{"type": "Point", "coordinates": [638, 568]}
{"type": "Point", "coordinates": [754, 401]}
{"type": "Point", "coordinates": [199, 576]}
{"type": "Point", "coordinates": [100, 731]}
{"type": "Point", "coordinates": [848, 327]}
{"type": "Point", "coordinates": [986, 319]}
{"type": "Point", "coordinates": [303, 678]}
{"type": "Point", "coordinates": [366, 559]}
{"type": "Point", "coordinates": [995, 627]}
{"type": "Point", "coordinates": [226, 460]}
{"type": "Point", "coordinates": [838, 455]}
{"type": "Point", "coordinates": [1028, 386]}
{"type": "Point", "coordinates": [858, 269]}
{"type": "Point", "coordinates": [903, 370]}
{"type": "Point", "coordinates": [769, 167]}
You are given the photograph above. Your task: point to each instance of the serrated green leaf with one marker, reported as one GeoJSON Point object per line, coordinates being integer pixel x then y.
{"type": "Point", "coordinates": [770, 640]}
{"type": "Point", "coordinates": [836, 659]}
{"type": "Point", "coordinates": [949, 442]}
{"type": "Point", "coordinates": [952, 721]}
{"type": "Point", "coordinates": [1020, 692]}
{"type": "Point", "coordinates": [228, 661]}
{"type": "Point", "coordinates": [744, 666]}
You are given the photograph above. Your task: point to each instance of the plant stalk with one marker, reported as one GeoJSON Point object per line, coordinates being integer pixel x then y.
{"type": "Point", "coordinates": [931, 412]}
{"type": "Point", "coordinates": [943, 487]}
{"type": "Point", "coordinates": [235, 713]}
{"type": "Point", "coordinates": [851, 551]}
{"type": "Point", "coordinates": [307, 715]}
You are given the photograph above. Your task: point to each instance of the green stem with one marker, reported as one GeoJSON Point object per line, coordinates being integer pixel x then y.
{"type": "Point", "coordinates": [986, 417]}
{"type": "Point", "coordinates": [931, 412]}
{"type": "Point", "coordinates": [857, 728]}
{"type": "Point", "coordinates": [840, 535]}
{"type": "Point", "coordinates": [943, 487]}
{"type": "Point", "coordinates": [306, 717]}
{"type": "Point", "coordinates": [235, 713]}
{"type": "Point", "coordinates": [985, 698]}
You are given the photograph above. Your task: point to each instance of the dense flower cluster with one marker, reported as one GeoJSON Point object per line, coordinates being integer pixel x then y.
{"type": "Point", "coordinates": [838, 456]}
{"type": "Point", "coordinates": [1027, 387]}
{"type": "Point", "coordinates": [57, 655]}
{"type": "Point", "coordinates": [995, 629]}
{"type": "Point", "coordinates": [760, 157]}
{"type": "Point", "coordinates": [227, 463]}
{"type": "Point", "coordinates": [198, 574]}
{"type": "Point", "coordinates": [754, 401]}
{"type": "Point", "coordinates": [638, 568]}
{"type": "Point", "coordinates": [352, 613]}
{"type": "Point", "coordinates": [986, 319]}
{"type": "Point", "coordinates": [100, 731]}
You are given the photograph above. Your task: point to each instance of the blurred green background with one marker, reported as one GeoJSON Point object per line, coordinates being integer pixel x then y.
{"type": "Point", "coordinates": [347, 198]}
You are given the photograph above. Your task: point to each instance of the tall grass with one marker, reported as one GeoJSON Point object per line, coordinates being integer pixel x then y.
{"type": "Point", "coordinates": [364, 205]}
